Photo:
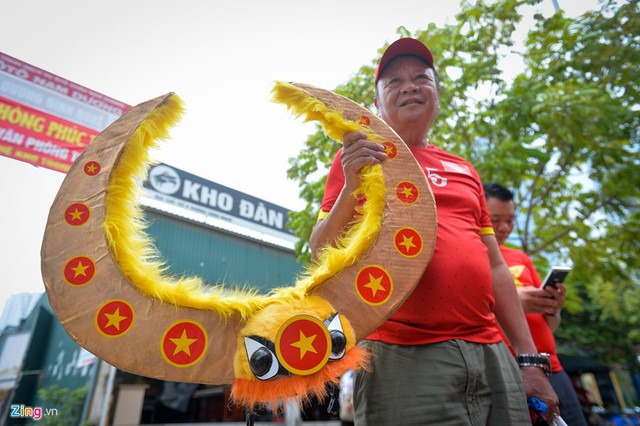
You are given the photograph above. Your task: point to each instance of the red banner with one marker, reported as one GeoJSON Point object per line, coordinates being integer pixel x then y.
{"type": "Point", "coordinates": [46, 120]}
{"type": "Point", "coordinates": [37, 77]}
{"type": "Point", "coordinates": [38, 138]}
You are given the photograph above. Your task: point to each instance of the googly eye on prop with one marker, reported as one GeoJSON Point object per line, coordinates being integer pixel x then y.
{"type": "Point", "coordinates": [338, 339]}
{"type": "Point", "coordinates": [113, 298]}
{"type": "Point", "coordinates": [262, 359]}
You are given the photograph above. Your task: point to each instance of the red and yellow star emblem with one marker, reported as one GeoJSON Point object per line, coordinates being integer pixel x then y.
{"type": "Point", "coordinates": [183, 343]}
{"type": "Point", "coordinates": [374, 285]}
{"type": "Point", "coordinates": [407, 192]}
{"type": "Point", "coordinates": [92, 168]}
{"type": "Point", "coordinates": [79, 270]}
{"type": "Point", "coordinates": [516, 271]}
{"type": "Point", "coordinates": [408, 242]}
{"type": "Point", "coordinates": [303, 345]}
{"type": "Point", "coordinates": [77, 214]}
{"type": "Point", "coordinates": [390, 149]}
{"type": "Point", "coordinates": [364, 120]}
{"type": "Point", "coordinates": [114, 318]}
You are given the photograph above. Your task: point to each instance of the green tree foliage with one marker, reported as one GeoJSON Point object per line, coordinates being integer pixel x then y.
{"type": "Point", "coordinates": [563, 132]}
{"type": "Point", "coordinates": [67, 404]}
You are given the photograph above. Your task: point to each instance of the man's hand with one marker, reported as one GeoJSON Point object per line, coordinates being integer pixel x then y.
{"type": "Point", "coordinates": [538, 301]}
{"type": "Point", "coordinates": [559, 293]}
{"type": "Point", "coordinates": [358, 152]}
{"type": "Point", "coordinates": [537, 384]}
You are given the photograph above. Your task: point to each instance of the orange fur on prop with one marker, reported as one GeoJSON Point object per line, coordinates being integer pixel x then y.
{"type": "Point", "coordinates": [251, 391]}
{"type": "Point", "coordinates": [255, 393]}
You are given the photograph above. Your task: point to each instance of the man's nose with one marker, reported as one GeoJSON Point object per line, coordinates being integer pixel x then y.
{"type": "Point", "coordinates": [409, 86]}
{"type": "Point", "coordinates": [504, 227]}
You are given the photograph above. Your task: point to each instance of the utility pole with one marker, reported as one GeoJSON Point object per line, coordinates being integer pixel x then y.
{"type": "Point", "coordinates": [556, 6]}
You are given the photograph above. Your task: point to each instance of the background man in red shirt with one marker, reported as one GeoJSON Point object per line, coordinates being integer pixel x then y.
{"type": "Point", "coordinates": [542, 307]}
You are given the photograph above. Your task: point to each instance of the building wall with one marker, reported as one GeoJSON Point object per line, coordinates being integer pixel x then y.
{"type": "Point", "coordinates": [53, 359]}
{"type": "Point", "coordinates": [191, 248]}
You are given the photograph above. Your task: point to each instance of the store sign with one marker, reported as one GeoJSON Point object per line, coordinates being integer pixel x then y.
{"type": "Point", "coordinates": [185, 190]}
{"type": "Point", "coordinates": [46, 120]}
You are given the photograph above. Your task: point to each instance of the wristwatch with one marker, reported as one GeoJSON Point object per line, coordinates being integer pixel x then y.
{"type": "Point", "coordinates": [540, 360]}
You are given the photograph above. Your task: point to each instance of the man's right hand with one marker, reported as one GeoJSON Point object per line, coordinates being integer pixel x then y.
{"type": "Point", "coordinates": [358, 152]}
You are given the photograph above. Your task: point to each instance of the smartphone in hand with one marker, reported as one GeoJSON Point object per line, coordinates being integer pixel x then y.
{"type": "Point", "coordinates": [557, 274]}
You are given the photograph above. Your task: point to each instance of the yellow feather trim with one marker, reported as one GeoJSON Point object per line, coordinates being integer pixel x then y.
{"type": "Point", "coordinates": [140, 261]}
{"type": "Point", "coordinates": [132, 248]}
{"type": "Point", "coordinates": [301, 104]}
{"type": "Point", "coordinates": [361, 235]}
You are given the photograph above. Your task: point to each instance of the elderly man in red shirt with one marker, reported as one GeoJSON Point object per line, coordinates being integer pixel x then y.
{"type": "Point", "coordinates": [439, 360]}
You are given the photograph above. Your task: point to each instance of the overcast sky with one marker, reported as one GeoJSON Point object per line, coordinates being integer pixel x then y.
{"type": "Point", "coordinates": [221, 58]}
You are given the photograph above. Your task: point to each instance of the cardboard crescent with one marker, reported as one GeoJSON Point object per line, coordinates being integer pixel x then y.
{"type": "Point", "coordinates": [107, 313]}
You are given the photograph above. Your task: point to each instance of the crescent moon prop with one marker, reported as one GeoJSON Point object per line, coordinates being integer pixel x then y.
{"type": "Point", "coordinates": [112, 295]}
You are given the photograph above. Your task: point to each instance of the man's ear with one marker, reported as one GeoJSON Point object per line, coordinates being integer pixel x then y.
{"type": "Point", "coordinates": [375, 103]}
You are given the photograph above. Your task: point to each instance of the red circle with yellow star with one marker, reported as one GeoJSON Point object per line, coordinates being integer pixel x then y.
{"type": "Point", "coordinates": [77, 214]}
{"type": "Point", "coordinates": [92, 168]}
{"type": "Point", "coordinates": [374, 285]}
{"type": "Point", "coordinates": [407, 242]}
{"type": "Point", "coordinates": [407, 192]}
{"type": "Point", "coordinates": [183, 343]}
{"type": "Point", "coordinates": [364, 120]}
{"type": "Point", "coordinates": [390, 149]}
{"type": "Point", "coordinates": [303, 345]}
{"type": "Point", "coordinates": [114, 318]}
{"type": "Point", "coordinates": [79, 270]}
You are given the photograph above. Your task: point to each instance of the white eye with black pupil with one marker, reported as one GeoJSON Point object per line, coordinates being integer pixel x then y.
{"type": "Point", "coordinates": [262, 360]}
{"type": "Point", "coordinates": [338, 339]}
{"type": "Point", "coordinates": [338, 343]}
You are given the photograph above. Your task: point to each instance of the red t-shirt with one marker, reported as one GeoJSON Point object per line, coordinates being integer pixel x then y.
{"type": "Point", "coordinates": [524, 275]}
{"type": "Point", "coordinates": [454, 299]}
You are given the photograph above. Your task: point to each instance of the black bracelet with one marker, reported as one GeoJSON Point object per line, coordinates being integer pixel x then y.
{"type": "Point", "coordinates": [541, 360]}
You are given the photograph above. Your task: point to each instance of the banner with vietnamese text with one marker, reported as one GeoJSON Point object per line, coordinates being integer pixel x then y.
{"type": "Point", "coordinates": [47, 120]}
{"type": "Point", "coordinates": [41, 139]}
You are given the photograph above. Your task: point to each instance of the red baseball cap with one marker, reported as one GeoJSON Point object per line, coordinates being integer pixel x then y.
{"type": "Point", "coordinates": [404, 46]}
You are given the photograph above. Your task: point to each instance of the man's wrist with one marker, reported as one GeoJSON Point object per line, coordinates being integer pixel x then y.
{"type": "Point", "coordinates": [541, 360]}
{"type": "Point", "coordinates": [556, 314]}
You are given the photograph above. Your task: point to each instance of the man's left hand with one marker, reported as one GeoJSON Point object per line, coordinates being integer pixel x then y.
{"type": "Point", "coordinates": [537, 384]}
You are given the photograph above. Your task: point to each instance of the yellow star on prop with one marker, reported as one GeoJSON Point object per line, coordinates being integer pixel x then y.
{"type": "Point", "coordinates": [91, 168]}
{"type": "Point", "coordinates": [407, 192]}
{"type": "Point", "coordinates": [388, 149]}
{"type": "Point", "coordinates": [305, 344]}
{"type": "Point", "coordinates": [79, 270]}
{"type": "Point", "coordinates": [407, 243]}
{"type": "Point", "coordinates": [183, 343]}
{"type": "Point", "coordinates": [374, 284]}
{"type": "Point", "coordinates": [516, 271]}
{"type": "Point", "coordinates": [114, 319]}
{"type": "Point", "coordinates": [76, 214]}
